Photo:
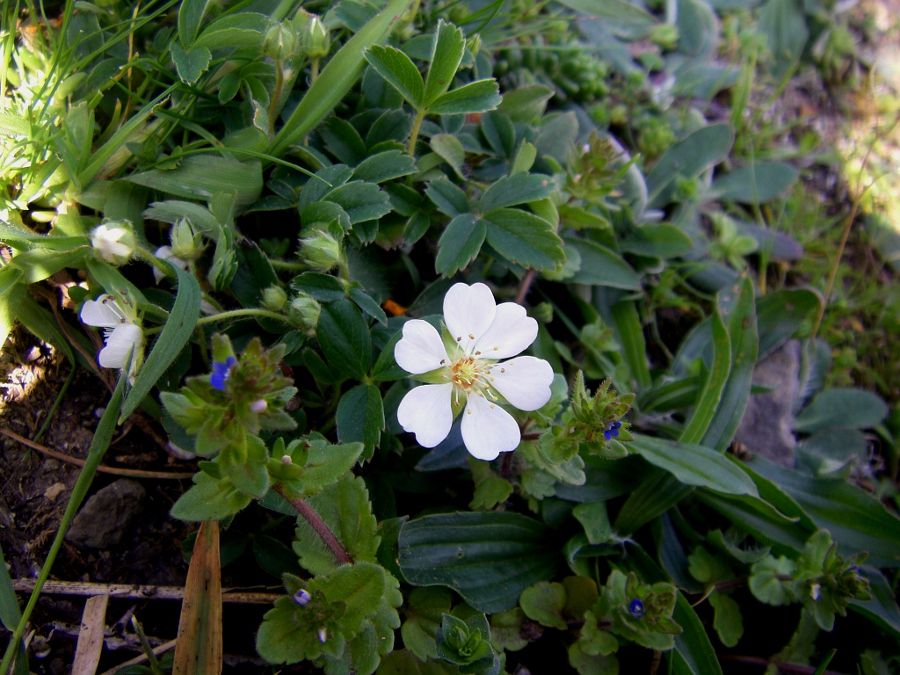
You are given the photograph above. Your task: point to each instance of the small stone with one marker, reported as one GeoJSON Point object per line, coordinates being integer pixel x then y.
{"type": "Point", "coordinates": [106, 516]}
{"type": "Point", "coordinates": [53, 491]}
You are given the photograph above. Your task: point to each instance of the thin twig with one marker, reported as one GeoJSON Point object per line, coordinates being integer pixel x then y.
{"type": "Point", "coordinates": [138, 592]}
{"type": "Point", "coordinates": [317, 524]}
{"type": "Point", "coordinates": [133, 473]}
{"type": "Point", "coordinates": [524, 286]}
{"type": "Point", "coordinates": [162, 649]}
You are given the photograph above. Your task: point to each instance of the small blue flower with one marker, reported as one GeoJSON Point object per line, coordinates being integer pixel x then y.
{"type": "Point", "coordinates": [221, 372]}
{"type": "Point", "coordinates": [612, 431]}
{"type": "Point", "coordinates": [302, 597]}
{"type": "Point", "coordinates": [637, 608]}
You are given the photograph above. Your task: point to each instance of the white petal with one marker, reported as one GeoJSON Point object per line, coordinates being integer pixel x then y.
{"type": "Point", "coordinates": [468, 312]}
{"type": "Point", "coordinates": [425, 411]}
{"type": "Point", "coordinates": [102, 312]}
{"type": "Point", "coordinates": [420, 350]}
{"type": "Point", "coordinates": [512, 332]}
{"type": "Point", "coordinates": [119, 346]}
{"type": "Point", "coordinates": [524, 382]}
{"type": "Point", "coordinates": [487, 429]}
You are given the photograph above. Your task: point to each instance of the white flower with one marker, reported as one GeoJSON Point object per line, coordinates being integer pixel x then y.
{"type": "Point", "coordinates": [124, 338]}
{"type": "Point", "coordinates": [463, 365]}
{"type": "Point", "coordinates": [165, 253]}
{"type": "Point", "coordinates": [114, 244]}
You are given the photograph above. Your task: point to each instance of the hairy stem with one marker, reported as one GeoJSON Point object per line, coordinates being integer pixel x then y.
{"type": "Point", "coordinates": [316, 522]}
{"type": "Point", "coordinates": [414, 136]}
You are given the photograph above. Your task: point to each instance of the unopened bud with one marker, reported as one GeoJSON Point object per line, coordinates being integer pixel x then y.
{"type": "Point", "coordinates": [474, 44]}
{"type": "Point", "coordinates": [274, 298]}
{"type": "Point", "coordinates": [304, 313]}
{"type": "Point", "coordinates": [321, 251]}
{"type": "Point", "coordinates": [318, 41]}
{"type": "Point", "coordinates": [114, 242]}
{"type": "Point", "coordinates": [280, 42]}
{"type": "Point", "coordinates": [302, 597]}
{"type": "Point", "coordinates": [323, 635]}
{"type": "Point", "coordinates": [259, 406]}
{"type": "Point", "coordinates": [286, 460]}
{"type": "Point", "coordinates": [187, 243]}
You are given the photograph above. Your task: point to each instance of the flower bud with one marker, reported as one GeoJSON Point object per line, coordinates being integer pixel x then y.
{"type": "Point", "coordinates": [323, 635]}
{"type": "Point", "coordinates": [259, 406]}
{"type": "Point", "coordinates": [321, 251]}
{"type": "Point", "coordinates": [304, 313]}
{"type": "Point", "coordinates": [302, 597]}
{"type": "Point", "coordinates": [112, 243]}
{"type": "Point", "coordinates": [274, 298]}
{"type": "Point", "coordinates": [187, 244]}
{"type": "Point", "coordinates": [280, 42]}
{"type": "Point", "coordinates": [666, 36]}
{"type": "Point", "coordinates": [286, 460]}
{"type": "Point", "coordinates": [318, 40]}
{"type": "Point", "coordinates": [474, 44]}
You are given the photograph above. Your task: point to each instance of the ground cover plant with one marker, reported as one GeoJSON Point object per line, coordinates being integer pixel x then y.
{"type": "Point", "coordinates": [505, 337]}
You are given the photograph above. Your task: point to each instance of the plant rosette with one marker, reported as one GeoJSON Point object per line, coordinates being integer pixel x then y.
{"type": "Point", "coordinates": [463, 370]}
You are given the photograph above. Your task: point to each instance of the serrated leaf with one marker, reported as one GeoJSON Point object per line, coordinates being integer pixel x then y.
{"type": "Point", "coordinates": [343, 141]}
{"type": "Point", "coordinates": [360, 587]}
{"type": "Point", "coordinates": [423, 619]}
{"type": "Point", "coordinates": [475, 97]}
{"type": "Point", "coordinates": [362, 201]}
{"type": "Point", "coordinates": [360, 417]}
{"type": "Point", "coordinates": [399, 71]}
{"type": "Point", "coordinates": [526, 104]}
{"type": "Point", "coordinates": [345, 508]}
{"type": "Point", "coordinates": [209, 499]}
{"type": "Point", "coordinates": [384, 166]}
{"type": "Point", "coordinates": [344, 338]}
{"type": "Point", "coordinates": [520, 188]}
{"type": "Point", "coordinates": [601, 266]}
{"type": "Point", "coordinates": [233, 31]}
{"type": "Point", "coordinates": [190, 64]}
{"type": "Point", "coordinates": [325, 464]}
{"type": "Point", "coordinates": [544, 602]}
{"type": "Point", "coordinates": [446, 53]}
{"type": "Point", "coordinates": [190, 16]}
{"type": "Point", "coordinates": [449, 199]}
{"type": "Point", "coordinates": [450, 150]}
{"type": "Point", "coordinates": [459, 244]}
{"type": "Point", "coordinates": [524, 238]}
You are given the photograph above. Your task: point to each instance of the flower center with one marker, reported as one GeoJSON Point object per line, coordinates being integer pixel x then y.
{"type": "Point", "coordinates": [467, 371]}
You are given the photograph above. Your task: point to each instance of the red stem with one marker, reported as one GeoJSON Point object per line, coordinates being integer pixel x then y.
{"type": "Point", "coordinates": [525, 285]}
{"type": "Point", "coordinates": [316, 522]}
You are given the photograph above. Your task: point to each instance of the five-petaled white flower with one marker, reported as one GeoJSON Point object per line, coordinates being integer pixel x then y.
{"type": "Point", "coordinates": [124, 338]}
{"type": "Point", "coordinates": [114, 244]}
{"type": "Point", "coordinates": [463, 370]}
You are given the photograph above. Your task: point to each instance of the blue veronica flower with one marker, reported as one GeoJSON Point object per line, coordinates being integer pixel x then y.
{"type": "Point", "coordinates": [221, 372]}
{"type": "Point", "coordinates": [612, 431]}
{"type": "Point", "coordinates": [302, 597]}
{"type": "Point", "coordinates": [636, 608]}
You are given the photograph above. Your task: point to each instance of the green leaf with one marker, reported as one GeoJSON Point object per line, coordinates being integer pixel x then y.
{"type": "Point", "coordinates": [544, 602]}
{"type": "Point", "coordinates": [694, 465]}
{"type": "Point", "coordinates": [10, 613]}
{"type": "Point", "coordinates": [423, 619]}
{"type": "Point", "coordinates": [783, 22]}
{"type": "Point", "coordinates": [716, 379]}
{"type": "Point", "coordinates": [727, 621]}
{"type": "Point", "coordinates": [446, 53]}
{"type": "Point", "coordinates": [526, 104]}
{"type": "Point", "coordinates": [322, 287]}
{"type": "Point", "coordinates": [601, 267]}
{"type": "Point", "coordinates": [345, 508]}
{"type": "Point", "coordinates": [247, 469]}
{"type": "Point", "coordinates": [174, 336]}
{"type": "Point", "coordinates": [202, 176]}
{"type": "Point", "coordinates": [524, 159]}
{"type": "Point", "coordinates": [400, 72]}
{"type": "Point", "coordinates": [336, 78]}
{"type": "Point", "coordinates": [449, 199]}
{"type": "Point", "coordinates": [450, 150]}
{"type": "Point", "coordinates": [688, 158]}
{"type": "Point", "coordinates": [882, 608]}
{"type": "Point", "coordinates": [475, 97]}
{"type": "Point", "coordinates": [842, 407]}
{"type": "Point", "coordinates": [190, 16]}
{"type": "Point", "coordinates": [591, 664]}
{"type": "Point", "coordinates": [190, 64]}
{"type": "Point", "coordinates": [618, 11]}
{"type": "Point", "coordinates": [631, 338]}
{"type": "Point", "coordinates": [524, 238]}
{"type": "Point", "coordinates": [209, 499]}
{"type": "Point", "coordinates": [39, 264]}
{"type": "Point", "coordinates": [459, 244]}
{"type": "Point", "coordinates": [520, 188]}
{"type": "Point", "coordinates": [694, 654]}
{"type": "Point", "coordinates": [344, 338]}
{"type": "Point", "coordinates": [360, 587]}
{"type": "Point", "coordinates": [321, 464]}
{"type": "Point", "coordinates": [488, 558]}
{"type": "Point", "coordinates": [368, 305]}
{"type": "Point", "coordinates": [657, 240]}
{"type": "Point", "coordinates": [273, 556]}
{"type": "Point", "coordinates": [384, 166]}
{"type": "Point", "coordinates": [595, 521]}
{"type": "Point", "coordinates": [233, 31]}
{"type": "Point", "coordinates": [9, 300]}
{"type": "Point", "coordinates": [361, 201]}
{"type": "Point", "coordinates": [360, 417]}
{"type": "Point", "coordinates": [343, 141]}
{"type": "Point", "coordinates": [500, 132]}
{"type": "Point", "coordinates": [780, 315]}
{"type": "Point", "coordinates": [756, 183]}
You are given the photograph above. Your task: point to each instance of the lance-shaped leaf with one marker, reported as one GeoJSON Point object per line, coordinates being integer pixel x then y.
{"type": "Point", "coordinates": [446, 53]}
{"type": "Point", "coordinates": [400, 72]}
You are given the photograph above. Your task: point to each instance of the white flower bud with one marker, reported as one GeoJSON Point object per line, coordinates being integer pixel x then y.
{"type": "Point", "coordinates": [259, 406]}
{"type": "Point", "coordinates": [113, 244]}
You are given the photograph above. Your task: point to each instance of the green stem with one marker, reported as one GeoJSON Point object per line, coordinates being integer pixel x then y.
{"type": "Point", "coordinates": [313, 71]}
{"type": "Point", "coordinates": [276, 95]}
{"type": "Point", "coordinates": [234, 313]}
{"type": "Point", "coordinates": [288, 265]}
{"type": "Point", "coordinates": [414, 136]}
{"type": "Point", "coordinates": [99, 444]}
